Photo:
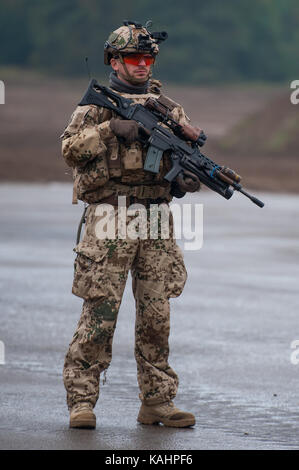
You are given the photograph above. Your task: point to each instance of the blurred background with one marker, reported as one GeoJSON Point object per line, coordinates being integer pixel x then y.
{"type": "Point", "coordinates": [230, 64]}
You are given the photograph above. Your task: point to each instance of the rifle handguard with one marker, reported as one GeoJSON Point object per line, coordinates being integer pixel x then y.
{"type": "Point", "coordinates": [228, 175]}
{"type": "Point", "coordinates": [194, 134]}
{"type": "Point", "coordinates": [188, 132]}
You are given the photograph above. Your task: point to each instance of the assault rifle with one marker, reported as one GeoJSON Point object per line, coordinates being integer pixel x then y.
{"type": "Point", "coordinates": [182, 143]}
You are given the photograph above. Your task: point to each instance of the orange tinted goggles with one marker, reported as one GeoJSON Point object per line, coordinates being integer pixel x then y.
{"type": "Point", "coordinates": [136, 59]}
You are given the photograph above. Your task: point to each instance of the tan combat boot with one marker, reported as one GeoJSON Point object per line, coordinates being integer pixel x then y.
{"type": "Point", "coordinates": [165, 413]}
{"type": "Point", "coordinates": [82, 416]}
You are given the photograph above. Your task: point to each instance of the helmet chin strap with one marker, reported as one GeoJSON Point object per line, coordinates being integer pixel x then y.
{"type": "Point", "coordinates": [133, 80]}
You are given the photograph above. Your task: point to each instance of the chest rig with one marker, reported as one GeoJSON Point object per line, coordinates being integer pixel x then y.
{"type": "Point", "coordinates": [126, 162]}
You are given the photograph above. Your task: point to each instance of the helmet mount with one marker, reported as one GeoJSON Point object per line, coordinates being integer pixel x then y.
{"type": "Point", "coordinates": [133, 37]}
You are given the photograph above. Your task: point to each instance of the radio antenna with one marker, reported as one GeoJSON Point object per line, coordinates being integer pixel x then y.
{"type": "Point", "coordinates": [87, 67]}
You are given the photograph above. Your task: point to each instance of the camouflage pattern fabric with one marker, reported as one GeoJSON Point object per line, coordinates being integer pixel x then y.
{"type": "Point", "coordinates": [101, 270]}
{"type": "Point", "coordinates": [102, 167]}
{"type": "Point", "coordinates": [125, 40]}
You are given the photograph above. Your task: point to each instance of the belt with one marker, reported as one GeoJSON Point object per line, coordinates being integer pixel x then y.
{"type": "Point", "coordinates": [113, 200]}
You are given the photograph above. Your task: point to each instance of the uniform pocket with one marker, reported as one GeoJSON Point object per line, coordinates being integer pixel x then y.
{"type": "Point", "coordinates": [132, 157]}
{"type": "Point", "coordinates": [93, 175]}
{"type": "Point", "coordinates": [177, 275]}
{"type": "Point", "coordinates": [89, 278]}
{"type": "Point", "coordinates": [98, 271]}
{"type": "Point", "coordinates": [113, 159]}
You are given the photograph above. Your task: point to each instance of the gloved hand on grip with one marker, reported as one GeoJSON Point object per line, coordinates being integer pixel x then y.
{"type": "Point", "coordinates": [125, 129]}
{"type": "Point", "coordinates": [188, 182]}
{"type": "Point", "coordinates": [202, 137]}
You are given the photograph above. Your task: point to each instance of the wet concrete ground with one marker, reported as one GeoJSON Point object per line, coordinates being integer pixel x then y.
{"type": "Point", "coordinates": [230, 342]}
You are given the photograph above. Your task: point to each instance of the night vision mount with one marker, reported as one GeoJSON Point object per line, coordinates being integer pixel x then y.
{"type": "Point", "coordinates": [158, 37]}
{"type": "Point", "coordinates": [145, 41]}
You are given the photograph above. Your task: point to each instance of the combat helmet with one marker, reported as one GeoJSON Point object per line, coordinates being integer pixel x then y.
{"type": "Point", "coordinates": [132, 37]}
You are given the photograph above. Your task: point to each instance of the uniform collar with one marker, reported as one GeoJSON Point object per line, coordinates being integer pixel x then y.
{"type": "Point", "coordinates": [123, 87]}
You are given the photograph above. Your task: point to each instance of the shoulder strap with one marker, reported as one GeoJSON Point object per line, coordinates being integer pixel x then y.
{"type": "Point", "coordinates": [154, 86]}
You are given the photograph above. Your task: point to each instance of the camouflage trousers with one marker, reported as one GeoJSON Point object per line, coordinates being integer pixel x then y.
{"type": "Point", "coordinates": [101, 270]}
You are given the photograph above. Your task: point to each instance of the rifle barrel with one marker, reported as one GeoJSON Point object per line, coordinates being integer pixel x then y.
{"type": "Point", "coordinates": [254, 199]}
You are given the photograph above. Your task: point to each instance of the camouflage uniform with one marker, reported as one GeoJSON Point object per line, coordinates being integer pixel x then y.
{"type": "Point", "coordinates": [103, 168]}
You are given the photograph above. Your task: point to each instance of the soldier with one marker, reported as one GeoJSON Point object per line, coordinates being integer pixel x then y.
{"type": "Point", "coordinates": [107, 161]}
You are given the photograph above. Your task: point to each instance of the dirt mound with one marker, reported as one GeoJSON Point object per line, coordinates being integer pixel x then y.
{"type": "Point", "coordinates": [270, 131]}
{"type": "Point", "coordinates": [257, 141]}
{"type": "Point", "coordinates": [33, 118]}
{"type": "Point", "coordinates": [265, 146]}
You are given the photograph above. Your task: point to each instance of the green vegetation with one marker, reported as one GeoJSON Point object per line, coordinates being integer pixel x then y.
{"type": "Point", "coordinates": [209, 41]}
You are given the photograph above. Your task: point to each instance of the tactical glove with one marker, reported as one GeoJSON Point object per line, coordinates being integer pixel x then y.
{"type": "Point", "coordinates": [202, 137]}
{"type": "Point", "coordinates": [175, 190]}
{"type": "Point", "coordinates": [125, 129]}
{"type": "Point", "coordinates": [188, 182]}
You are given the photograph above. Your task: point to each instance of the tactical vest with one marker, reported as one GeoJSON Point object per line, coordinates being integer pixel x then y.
{"type": "Point", "coordinates": [123, 166]}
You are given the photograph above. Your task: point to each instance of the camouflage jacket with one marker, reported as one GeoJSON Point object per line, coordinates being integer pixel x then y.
{"type": "Point", "coordinates": [103, 166]}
